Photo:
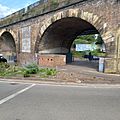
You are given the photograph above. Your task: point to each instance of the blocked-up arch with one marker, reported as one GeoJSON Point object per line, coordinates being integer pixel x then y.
{"type": "Point", "coordinates": [91, 20]}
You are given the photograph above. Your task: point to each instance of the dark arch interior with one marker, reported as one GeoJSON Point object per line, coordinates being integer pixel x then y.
{"type": "Point", "coordinates": [59, 36]}
{"type": "Point", "coordinates": [9, 42]}
{"type": "Point", "coordinates": [8, 47]}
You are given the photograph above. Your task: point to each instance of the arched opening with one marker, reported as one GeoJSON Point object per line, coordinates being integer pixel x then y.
{"type": "Point", "coordinates": [60, 35]}
{"type": "Point", "coordinates": [8, 47]}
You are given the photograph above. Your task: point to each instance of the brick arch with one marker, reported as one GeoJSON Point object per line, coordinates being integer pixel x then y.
{"type": "Point", "coordinates": [11, 32]}
{"type": "Point", "coordinates": [91, 18]}
{"type": "Point", "coordinates": [8, 46]}
{"type": "Point", "coordinates": [96, 21]}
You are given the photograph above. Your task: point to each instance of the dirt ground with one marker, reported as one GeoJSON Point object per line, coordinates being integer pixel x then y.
{"type": "Point", "coordinates": [85, 71]}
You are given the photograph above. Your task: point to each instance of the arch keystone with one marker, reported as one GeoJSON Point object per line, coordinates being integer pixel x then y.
{"type": "Point", "coordinates": [84, 15]}
{"type": "Point", "coordinates": [58, 16]}
{"type": "Point", "coordinates": [73, 12]}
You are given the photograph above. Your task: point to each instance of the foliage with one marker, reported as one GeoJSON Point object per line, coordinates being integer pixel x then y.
{"type": "Point", "coordinates": [80, 54]}
{"type": "Point", "coordinates": [98, 53]}
{"type": "Point", "coordinates": [51, 72]}
{"type": "Point", "coordinates": [7, 70]}
{"type": "Point", "coordinates": [54, 1]}
{"type": "Point", "coordinates": [30, 69]}
{"type": "Point", "coordinates": [85, 39]}
{"type": "Point", "coordinates": [99, 40]}
{"type": "Point", "coordinates": [54, 4]}
{"type": "Point", "coordinates": [3, 68]}
{"type": "Point", "coordinates": [26, 73]}
{"type": "Point", "coordinates": [44, 72]}
{"type": "Point", "coordinates": [88, 39]}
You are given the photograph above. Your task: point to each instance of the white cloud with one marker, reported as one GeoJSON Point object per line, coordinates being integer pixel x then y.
{"type": "Point", "coordinates": [4, 11]}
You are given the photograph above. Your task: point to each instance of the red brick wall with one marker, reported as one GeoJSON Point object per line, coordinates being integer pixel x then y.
{"type": "Point", "coordinates": [52, 60]}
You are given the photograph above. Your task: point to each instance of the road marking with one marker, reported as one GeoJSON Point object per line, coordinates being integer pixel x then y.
{"type": "Point", "coordinates": [15, 94]}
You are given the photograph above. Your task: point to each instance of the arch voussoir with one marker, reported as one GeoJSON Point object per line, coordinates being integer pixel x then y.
{"type": "Point", "coordinates": [92, 18]}
{"type": "Point", "coordinates": [11, 32]}
{"type": "Point", "coordinates": [73, 13]}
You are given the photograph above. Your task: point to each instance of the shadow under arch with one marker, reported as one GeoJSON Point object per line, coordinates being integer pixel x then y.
{"type": "Point", "coordinates": [8, 46]}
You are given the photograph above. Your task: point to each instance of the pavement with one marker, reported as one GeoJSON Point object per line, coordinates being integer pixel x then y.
{"type": "Point", "coordinates": [20, 101]}
{"type": "Point", "coordinates": [77, 73]}
{"type": "Point", "coordinates": [77, 92]}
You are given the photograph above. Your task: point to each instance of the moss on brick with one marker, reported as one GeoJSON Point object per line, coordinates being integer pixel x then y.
{"type": "Point", "coordinates": [33, 11]}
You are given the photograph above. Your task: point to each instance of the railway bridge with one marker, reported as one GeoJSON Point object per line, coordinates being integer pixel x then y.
{"type": "Point", "coordinates": [51, 26]}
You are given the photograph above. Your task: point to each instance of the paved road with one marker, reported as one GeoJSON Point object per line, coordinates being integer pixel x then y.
{"type": "Point", "coordinates": [50, 102]}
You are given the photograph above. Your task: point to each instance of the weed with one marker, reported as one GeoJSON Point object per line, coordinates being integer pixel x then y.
{"type": "Point", "coordinates": [7, 70]}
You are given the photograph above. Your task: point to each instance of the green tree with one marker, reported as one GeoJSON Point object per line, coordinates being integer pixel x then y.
{"type": "Point", "coordinates": [85, 39]}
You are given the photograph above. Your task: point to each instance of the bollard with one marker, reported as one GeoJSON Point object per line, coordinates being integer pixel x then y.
{"type": "Point", "coordinates": [101, 64]}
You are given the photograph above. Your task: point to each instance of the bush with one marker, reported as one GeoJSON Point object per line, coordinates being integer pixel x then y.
{"type": "Point", "coordinates": [97, 52]}
{"type": "Point", "coordinates": [79, 54]}
{"type": "Point", "coordinates": [7, 70]}
{"type": "Point", "coordinates": [51, 72]}
{"type": "Point", "coordinates": [4, 65]}
{"type": "Point", "coordinates": [46, 72]}
{"type": "Point", "coordinates": [26, 74]}
{"type": "Point", "coordinates": [33, 65]}
{"type": "Point", "coordinates": [30, 69]}
{"type": "Point", "coordinates": [3, 68]}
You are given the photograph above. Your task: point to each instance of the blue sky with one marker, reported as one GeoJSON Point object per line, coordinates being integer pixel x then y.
{"type": "Point", "coordinates": [9, 6]}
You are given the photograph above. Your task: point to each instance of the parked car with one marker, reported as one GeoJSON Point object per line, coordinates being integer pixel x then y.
{"type": "Point", "coordinates": [91, 57]}
{"type": "Point", "coordinates": [95, 58]}
{"type": "Point", "coordinates": [2, 59]}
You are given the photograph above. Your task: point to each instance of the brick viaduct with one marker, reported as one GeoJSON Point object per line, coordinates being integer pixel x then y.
{"type": "Point", "coordinates": [50, 26]}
